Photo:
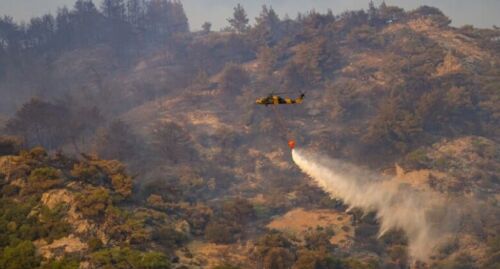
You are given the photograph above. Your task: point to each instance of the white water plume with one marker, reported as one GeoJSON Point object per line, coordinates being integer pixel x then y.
{"type": "Point", "coordinates": [425, 217]}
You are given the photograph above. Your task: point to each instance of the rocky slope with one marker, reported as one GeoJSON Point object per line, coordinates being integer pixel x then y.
{"type": "Point", "coordinates": [213, 173]}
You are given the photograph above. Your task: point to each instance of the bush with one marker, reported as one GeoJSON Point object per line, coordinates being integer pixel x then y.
{"type": "Point", "coordinates": [173, 143]}
{"type": "Point", "coordinates": [42, 179]}
{"type": "Point", "coordinates": [262, 211]}
{"type": "Point", "coordinates": [220, 233]}
{"type": "Point", "coordinates": [395, 237]}
{"type": "Point", "coordinates": [86, 172]}
{"type": "Point", "coordinates": [366, 231]}
{"type": "Point", "coordinates": [9, 145]}
{"type": "Point", "coordinates": [64, 263]}
{"type": "Point", "coordinates": [274, 239]}
{"type": "Point", "coordinates": [93, 203]}
{"type": "Point", "coordinates": [169, 238]}
{"type": "Point", "coordinates": [95, 244]}
{"type": "Point", "coordinates": [122, 184]}
{"type": "Point", "coordinates": [154, 260]}
{"type": "Point", "coordinates": [234, 78]}
{"type": "Point", "coordinates": [124, 258]}
{"type": "Point", "coordinates": [399, 254]}
{"type": "Point", "coordinates": [432, 12]}
{"type": "Point", "coordinates": [10, 190]}
{"type": "Point", "coordinates": [394, 127]}
{"type": "Point", "coordinates": [238, 210]}
{"type": "Point", "coordinates": [418, 159]}
{"type": "Point", "coordinates": [278, 258]}
{"type": "Point", "coordinates": [317, 260]}
{"type": "Point", "coordinates": [462, 261]}
{"type": "Point", "coordinates": [198, 218]}
{"type": "Point", "coordinates": [20, 256]}
{"type": "Point", "coordinates": [355, 264]}
{"type": "Point", "coordinates": [226, 266]}
{"type": "Point", "coordinates": [52, 224]}
{"type": "Point", "coordinates": [319, 239]}
{"type": "Point", "coordinates": [40, 123]}
{"type": "Point", "coordinates": [367, 36]}
{"type": "Point", "coordinates": [117, 142]}
{"type": "Point", "coordinates": [16, 221]}
{"type": "Point", "coordinates": [104, 172]}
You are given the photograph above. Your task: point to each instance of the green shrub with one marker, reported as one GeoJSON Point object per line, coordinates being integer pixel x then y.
{"type": "Point", "coordinates": [418, 159]}
{"type": "Point", "coordinates": [93, 204]}
{"type": "Point", "coordinates": [169, 237]}
{"type": "Point", "coordinates": [20, 256]}
{"type": "Point", "coordinates": [86, 172]}
{"type": "Point", "coordinates": [16, 223]}
{"type": "Point", "coordinates": [95, 244]}
{"type": "Point", "coordinates": [42, 179]}
{"type": "Point", "coordinates": [125, 258]}
{"type": "Point", "coordinates": [64, 263]}
{"type": "Point", "coordinates": [109, 173]}
{"type": "Point", "coordinates": [52, 224]}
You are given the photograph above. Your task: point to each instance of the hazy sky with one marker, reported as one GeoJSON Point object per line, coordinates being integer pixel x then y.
{"type": "Point", "coordinates": [481, 13]}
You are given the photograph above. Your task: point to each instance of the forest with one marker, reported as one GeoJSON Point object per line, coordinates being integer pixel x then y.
{"type": "Point", "coordinates": [127, 140]}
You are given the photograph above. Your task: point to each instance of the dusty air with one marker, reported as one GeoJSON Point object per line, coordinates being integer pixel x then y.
{"type": "Point", "coordinates": [182, 134]}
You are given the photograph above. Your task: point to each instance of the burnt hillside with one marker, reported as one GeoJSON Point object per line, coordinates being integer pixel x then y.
{"type": "Point", "coordinates": [203, 176]}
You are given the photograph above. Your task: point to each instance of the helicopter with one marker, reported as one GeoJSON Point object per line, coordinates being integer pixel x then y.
{"type": "Point", "coordinates": [273, 99]}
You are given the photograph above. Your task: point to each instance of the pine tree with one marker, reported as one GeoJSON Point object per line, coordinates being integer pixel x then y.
{"type": "Point", "coordinates": [135, 13]}
{"type": "Point", "coordinates": [239, 21]}
{"type": "Point", "coordinates": [178, 19]}
{"type": "Point", "coordinates": [85, 23]}
{"type": "Point", "coordinates": [165, 18]}
{"type": "Point", "coordinates": [267, 28]}
{"type": "Point", "coordinates": [113, 9]}
{"type": "Point", "coordinates": [10, 34]}
{"type": "Point", "coordinates": [372, 13]}
{"type": "Point", "coordinates": [116, 141]}
{"type": "Point", "coordinates": [383, 6]}
{"type": "Point", "coordinates": [207, 26]}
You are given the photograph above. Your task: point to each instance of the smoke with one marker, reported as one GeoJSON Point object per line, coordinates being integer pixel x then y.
{"type": "Point", "coordinates": [426, 217]}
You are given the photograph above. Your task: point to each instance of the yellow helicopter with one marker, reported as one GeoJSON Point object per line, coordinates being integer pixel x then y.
{"type": "Point", "coordinates": [273, 99]}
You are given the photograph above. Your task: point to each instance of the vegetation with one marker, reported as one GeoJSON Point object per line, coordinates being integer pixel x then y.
{"type": "Point", "coordinates": [22, 255]}
{"type": "Point", "coordinates": [9, 145]}
{"type": "Point", "coordinates": [126, 258]}
{"type": "Point", "coordinates": [146, 139]}
{"type": "Point", "coordinates": [117, 142]}
{"type": "Point", "coordinates": [93, 188]}
{"type": "Point", "coordinates": [239, 22]}
{"type": "Point", "coordinates": [173, 143]}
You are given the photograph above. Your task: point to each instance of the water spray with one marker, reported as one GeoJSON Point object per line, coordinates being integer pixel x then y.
{"type": "Point", "coordinates": [423, 216]}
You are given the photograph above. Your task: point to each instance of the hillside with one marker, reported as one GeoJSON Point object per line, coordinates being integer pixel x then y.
{"type": "Point", "coordinates": [204, 177]}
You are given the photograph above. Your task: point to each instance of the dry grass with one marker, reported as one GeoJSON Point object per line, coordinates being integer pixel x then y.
{"type": "Point", "coordinates": [450, 65]}
{"type": "Point", "coordinates": [448, 39]}
{"type": "Point", "coordinates": [299, 220]}
{"type": "Point", "coordinates": [200, 254]}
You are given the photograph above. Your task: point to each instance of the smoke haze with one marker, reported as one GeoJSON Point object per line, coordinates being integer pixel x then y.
{"type": "Point", "coordinates": [426, 217]}
{"type": "Point", "coordinates": [479, 13]}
